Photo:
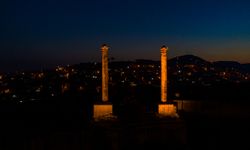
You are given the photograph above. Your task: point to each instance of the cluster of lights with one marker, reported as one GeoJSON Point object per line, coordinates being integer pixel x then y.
{"type": "Point", "coordinates": [6, 91]}
{"type": "Point", "coordinates": [38, 75]}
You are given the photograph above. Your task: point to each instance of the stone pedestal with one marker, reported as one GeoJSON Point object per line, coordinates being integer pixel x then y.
{"type": "Point", "coordinates": [167, 110]}
{"type": "Point", "coordinates": [102, 110]}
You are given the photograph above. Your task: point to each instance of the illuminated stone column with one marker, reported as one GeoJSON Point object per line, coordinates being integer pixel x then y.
{"type": "Point", "coordinates": [164, 74]}
{"type": "Point", "coordinates": [165, 109]}
{"type": "Point", "coordinates": [105, 73]}
{"type": "Point", "coordinates": [104, 110]}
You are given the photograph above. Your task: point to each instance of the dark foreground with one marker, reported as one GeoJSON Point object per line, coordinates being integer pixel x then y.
{"type": "Point", "coordinates": [47, 131]}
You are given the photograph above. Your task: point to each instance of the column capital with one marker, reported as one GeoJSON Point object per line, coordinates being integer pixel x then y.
{"type": "Point", "coordinates": [164, 48]}
{"type": "Point", "coordinates": [104, 47]}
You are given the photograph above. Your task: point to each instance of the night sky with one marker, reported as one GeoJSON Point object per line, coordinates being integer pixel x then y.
{"type": "Point", "coordinates": [44, 33]}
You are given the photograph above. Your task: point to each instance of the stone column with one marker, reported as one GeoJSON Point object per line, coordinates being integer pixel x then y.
{"type": "Point", "coordinates": [164, 74]}
{"type": "Point", "coordinates": [104, 110]}
{"type": "Point", "coordinates": [105, 74]}
{"type": "Point", "coordinates": [164, 108]}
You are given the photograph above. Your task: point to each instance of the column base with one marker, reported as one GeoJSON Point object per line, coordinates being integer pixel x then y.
{"type": "Point", "coordinates": [168, 110]}
{"type": "Point", "coordinates": [102, 111]}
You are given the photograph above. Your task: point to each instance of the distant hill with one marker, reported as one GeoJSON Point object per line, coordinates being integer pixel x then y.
{"type": "Point", "coordinates": [227, 64]}
{"type": "Point", "coordinates": [232, 66]}
{"type": "Point", "coordinates": [187, 60]}
{"type": "Point", "coordinates": [246, 67]}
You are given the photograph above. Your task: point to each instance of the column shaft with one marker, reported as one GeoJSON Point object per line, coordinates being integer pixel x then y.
{"type": "Point", "coordinates": [105, 74]}
{"type": "Point", "coordinates": [164, 78]}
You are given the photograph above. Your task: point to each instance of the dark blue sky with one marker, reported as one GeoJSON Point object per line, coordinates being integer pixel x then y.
{"type": "Point", "coordinates": [42, 33]}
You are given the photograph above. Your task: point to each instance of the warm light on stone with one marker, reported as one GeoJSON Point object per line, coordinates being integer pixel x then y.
{"type": "Point", "coordinates": [164, 78]}
{"type": "Point", "coordinates": [101, 110]}
{"type": "Point", "coordinates": [104, 109]}
{"type": "Point", "coordinates": [105, 74]}
{"type": "Point", "coordinates": [167, 110]}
